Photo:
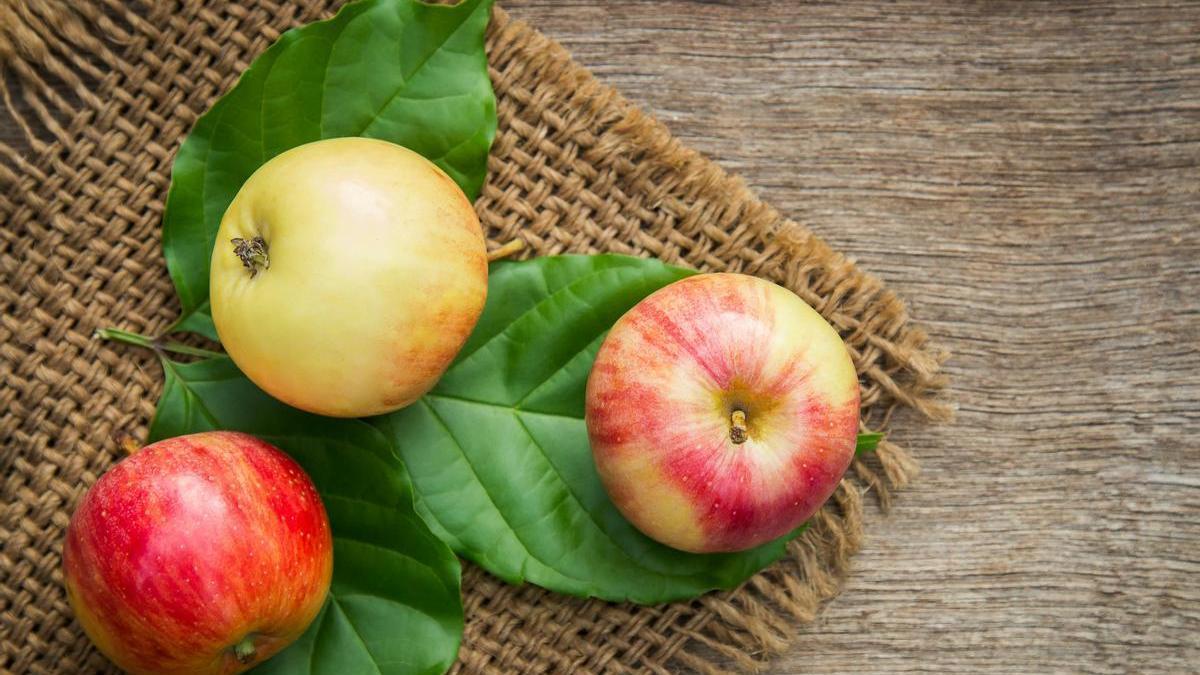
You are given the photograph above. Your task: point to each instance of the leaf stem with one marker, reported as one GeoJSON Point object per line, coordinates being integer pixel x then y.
{"type": "Point", "coordinates": [511, 248]}
{"type": "Point", "coordinates": [867, 442]}
{"type": "Point", "coordinates": [158, 345]}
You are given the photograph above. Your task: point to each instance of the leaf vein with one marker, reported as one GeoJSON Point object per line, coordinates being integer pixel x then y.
{"type": "Point", "coordinates": [541, 385]}
{"type": "Point", "coordinates": [463, 358]}
{"type": "Point", "coordinates": [357, 634]}
{"type": "Point", "coordinates": [499, 511]}
{"type": "Point", "coordinates": [578, 501]}
{"type": "Point", "coordinates": [414, 72]}
{"type": "Point", "coordinates": [517, 414]}
{"type": "Point", "coordinates": [502, 406]}
{"type": "Point", "coordinates": [190, 397]}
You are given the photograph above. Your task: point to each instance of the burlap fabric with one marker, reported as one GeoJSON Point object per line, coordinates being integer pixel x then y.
{"type": "Point", "coordinates": [105, 92]}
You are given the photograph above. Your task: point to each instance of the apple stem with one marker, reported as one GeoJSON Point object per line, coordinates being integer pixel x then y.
{"type": "Point", "coordinates": [737, 427]}
{"type": "Point", "coordinates": [253, 254]}
{"type": "Point", "coordinates": [511, 248]}
{"type": "Point", "coordinates": [128, 443]}
{"type": "Point", "coordinates": [158, 345]}
{"type": "Point", "coordinates": [244, 651]}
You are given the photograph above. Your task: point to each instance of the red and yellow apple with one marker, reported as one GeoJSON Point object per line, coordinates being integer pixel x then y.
{"type": "Point", "coordinates": [722, 412]}
{"type": "Point", "coordinates": [205, 553]}
{"type": "Point", "coordinates": [346, 276]}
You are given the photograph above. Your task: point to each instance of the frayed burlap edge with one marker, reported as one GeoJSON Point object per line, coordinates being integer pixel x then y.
{"type": "Point", "coordinates": [575, 168]}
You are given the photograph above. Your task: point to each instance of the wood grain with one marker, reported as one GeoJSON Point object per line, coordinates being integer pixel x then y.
{"type": "Point", "coordinates": [1028, 176]}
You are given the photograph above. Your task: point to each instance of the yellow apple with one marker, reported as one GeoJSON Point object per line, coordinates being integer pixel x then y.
{"type": "Point", "coordinates": [346, 276]}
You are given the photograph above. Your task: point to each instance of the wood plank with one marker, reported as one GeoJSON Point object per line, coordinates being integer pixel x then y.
{"type": "Point", "coordinates": [1028, 176]}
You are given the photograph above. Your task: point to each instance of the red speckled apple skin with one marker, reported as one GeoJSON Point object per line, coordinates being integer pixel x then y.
{"type": "Point", "coordinates": [192, 544]}
{"type": "Point", "coordinates": [662, 391]}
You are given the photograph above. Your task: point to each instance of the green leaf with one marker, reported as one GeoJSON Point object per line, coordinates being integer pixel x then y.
{"type": "Point", "coordinates": [394, 604]}
{"type": "Point", "coordinates": [867, 443]}
{"type": "Point", "coordinates": [499, 455]}
{"type": "Point", "coordinates": [399, 70]}
{"type": "Point", "coordinates": [199, 321]}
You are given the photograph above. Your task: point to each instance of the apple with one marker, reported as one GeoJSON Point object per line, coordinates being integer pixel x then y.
{"type": "Point", "coordinates": [722, 412]}
{"type": "Point", "coordinates": [205, 553]}
{"type": "Point", "coordinates": [347, 274]}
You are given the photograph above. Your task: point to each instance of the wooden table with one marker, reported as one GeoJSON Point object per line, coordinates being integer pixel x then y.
{"type": "Point", "coordinates": [1028, 176]}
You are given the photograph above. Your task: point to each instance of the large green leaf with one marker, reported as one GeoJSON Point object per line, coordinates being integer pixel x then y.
{"type": "Point", "coordinates": [394, 604]}
{"type": "Point", "coordinates": [499, 455]}
{"type": "Point", "coordinates": [400, 70]}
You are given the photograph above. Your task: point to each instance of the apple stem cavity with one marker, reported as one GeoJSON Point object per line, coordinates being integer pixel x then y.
{"type": "Point", "coordinates": [244, 651]}
{"type": "Point", "coordinates": [252, 253]}
{"type": "Point", "coordinates": [158, 345]}
{"type": "Point", "coordinates": [737, 427]}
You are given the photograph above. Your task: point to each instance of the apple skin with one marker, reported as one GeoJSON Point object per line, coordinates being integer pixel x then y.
{"type": "Point", "coordinates": [661, 404]}
{"type": "Point", "coordinates": [193, 545]}
{"type": "Point", "coordinates": [375, 274]}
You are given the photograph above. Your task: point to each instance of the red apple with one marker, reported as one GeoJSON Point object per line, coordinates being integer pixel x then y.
{"type": "Point", "coordinates": [722, 412]}
{"type": "Point", "coordinates": [205, 553]}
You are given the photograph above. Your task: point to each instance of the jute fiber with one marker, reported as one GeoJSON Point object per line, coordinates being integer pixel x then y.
{"type": "Point", "coordinates": [105, 92]}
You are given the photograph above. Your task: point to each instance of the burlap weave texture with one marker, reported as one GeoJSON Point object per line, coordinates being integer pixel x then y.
{"type": "Point", "coordinates": [105, 93]}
